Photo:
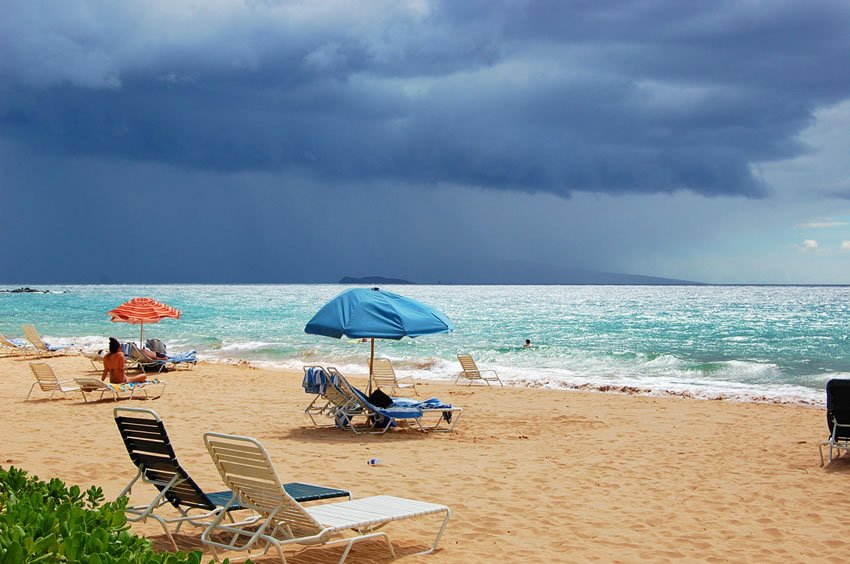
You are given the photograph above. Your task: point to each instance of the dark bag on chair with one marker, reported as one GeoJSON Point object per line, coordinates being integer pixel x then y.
{"type": "Point", "coordinates": [380, 399]}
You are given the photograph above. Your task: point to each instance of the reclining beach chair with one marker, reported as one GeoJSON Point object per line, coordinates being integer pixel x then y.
{"type": "Point", "coordinates": [118, 391]}
{"type": "Point", "coordinates": [13, 346]}
{"type": "Point", "coordinates": [354, 403]}
{"type": "Point", "coordinates": [384, 377]}
{"type": "Point", "coordinates": [330, 402]}
{"type": "Point", "coordinates": [46, 379]}
{"type": "Point", "coordinates": [471, 372]}
{"type": "Point", "coordinates": [150, 450]}
{"type": "Point", "coordinates": [837, 418]}
{"type": "Point", "coordinates": [246, 469]}
{"type": "Point", "coordinates": [144, 362]}
{"type": "Point", "coordinates": [39, 346]}
{"type": "Point", "coordinates": [96, 360]}
{"type": "Point", "coordinates": [316, 381]}
{"type": "Point", "coordinates": [187, 359]}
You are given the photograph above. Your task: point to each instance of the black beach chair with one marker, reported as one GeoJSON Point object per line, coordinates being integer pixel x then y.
{"type": "Point", "coordinates": [837, 417]}
{"type": "Point", "coordinates": [150, 450]}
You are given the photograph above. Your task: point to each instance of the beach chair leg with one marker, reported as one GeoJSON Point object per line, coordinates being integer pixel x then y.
{"type": "Point", "coordinates": [31, 389]}
{"type": "Point", "coordinates": [350, 542]}
{"type": "Point", "coordinates": [167, 532]}
{"type": "Point", "coordinates": [439, 533]}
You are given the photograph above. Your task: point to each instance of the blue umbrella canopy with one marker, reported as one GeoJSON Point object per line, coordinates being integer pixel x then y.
{"type": "Point", "coordinates": [373, 313]}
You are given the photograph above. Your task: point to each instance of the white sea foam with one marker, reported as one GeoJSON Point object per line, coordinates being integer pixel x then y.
{"type": "Point", "coordinates": [772, 344]}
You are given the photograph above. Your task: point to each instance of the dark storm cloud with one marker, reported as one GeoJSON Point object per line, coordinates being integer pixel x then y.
{"type": "Point", "coordinates": [555, 97]}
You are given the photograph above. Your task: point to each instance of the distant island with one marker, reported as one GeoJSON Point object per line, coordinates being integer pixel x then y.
{"type": "Point", "coordinates": [528, 273]}
{"type": "Point", "coordinates": [373, 280]}
{"type": "Point", "coordinates": [26, 290]}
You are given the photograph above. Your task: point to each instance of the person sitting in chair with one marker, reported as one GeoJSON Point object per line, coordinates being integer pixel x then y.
{"type": "Point", "coordinates": [113, 365]}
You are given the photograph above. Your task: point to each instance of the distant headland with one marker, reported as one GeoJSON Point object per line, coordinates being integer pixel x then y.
{"type": "Point", "coordinates": [373, 280]}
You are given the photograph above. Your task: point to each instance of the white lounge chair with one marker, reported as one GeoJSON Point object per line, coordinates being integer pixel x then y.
{"type": "Point", "coordinates": [149, 447]}
{"type": "Point", "coordinates": [143, 361]}
{"type": "Point", "coordinates": [13, 347]}
{"type": "Point", "coordinates": [41, 348]}
{"type": "Point", "coordinates": [471, 372]}
{"type": "Point", "coordinates": [247, 470]}
{"type": "Point", "coordinates": [117, 391]}
{"type": "Point", "coordinates": [384, 377]}
{"type": "Point", "coordinates": [46, 379]}
{"type": "Point", "coordinates": [96, 360]}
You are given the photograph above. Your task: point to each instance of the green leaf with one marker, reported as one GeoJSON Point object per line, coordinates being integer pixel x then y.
{"type": "Point", "coordinates": [14, 553]}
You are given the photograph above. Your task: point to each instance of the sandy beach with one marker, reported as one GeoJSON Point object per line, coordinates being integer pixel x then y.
{"type": "Point", "coordinates": [530, 474]}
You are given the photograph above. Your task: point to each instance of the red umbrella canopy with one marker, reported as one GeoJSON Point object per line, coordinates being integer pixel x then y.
{"type": "Point", "coordinates": [143, 310]}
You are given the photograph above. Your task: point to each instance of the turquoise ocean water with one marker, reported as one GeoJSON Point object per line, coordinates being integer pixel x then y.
{"type": "Point", "coordinates": [741, 342]}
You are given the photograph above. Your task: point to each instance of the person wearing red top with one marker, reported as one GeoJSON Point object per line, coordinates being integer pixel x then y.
{"type": "Point", "coordinates": [113, 365]}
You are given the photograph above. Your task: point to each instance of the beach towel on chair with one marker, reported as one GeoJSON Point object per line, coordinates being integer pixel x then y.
{"type": "Point", "coordinates": [128, 386]}
{"type": "Point", "coordinates": [431, 403]}
{"type": "Point", "coordinates": [315, 381]}
{"type": "Point", "coordinates": [183, 357]}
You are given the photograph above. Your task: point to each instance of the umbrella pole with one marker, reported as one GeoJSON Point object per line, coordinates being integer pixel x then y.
{"type": "Point", "coordinates": [141, 334]}
{"type": "Point", "coordinates": [371, 363]}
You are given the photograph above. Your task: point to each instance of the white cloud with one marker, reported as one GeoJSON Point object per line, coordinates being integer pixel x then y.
{"type": "Point", "coordinates": [823, 224]}
{"type": "Point", "coordinates": [808, 246]}
{"type": "Point", "coordinates": [845, 245]}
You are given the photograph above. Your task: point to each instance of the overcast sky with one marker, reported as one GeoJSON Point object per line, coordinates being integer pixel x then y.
{"type": "Point", "coordinates": [465, 141]}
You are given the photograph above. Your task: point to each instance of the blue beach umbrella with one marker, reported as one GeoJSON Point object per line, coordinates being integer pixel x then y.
{"type": "Point", "coordinates": [372, 313]}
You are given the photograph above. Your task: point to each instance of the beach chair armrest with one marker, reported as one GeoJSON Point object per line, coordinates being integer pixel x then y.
{"type": "Point", "coordinates": [478, 372]}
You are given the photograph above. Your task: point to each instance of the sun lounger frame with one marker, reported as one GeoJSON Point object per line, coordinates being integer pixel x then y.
{"type": "Point", "coordinates": [838, 418]}
{"type": "Point", "coordinates": [150, 449]}
{"type": "Point", "coordinates": [334, 401]}
{"type": "Point", "coordinates": [471, 371]}
{"type": "Point", "coordinates": [246, 468]}
{"type": "Point", "coordinates": [94, 385]}
{"type": "Point", "coordinates": [351, 405]}
{"type": "Point", "coordinates": [40, 348]}
{"type": "Point", "coordinates": [142, 360]}
{"type": "Point", "coordinates": [46, 379]}
{"type": "Point", "coordinates": [385, 378]}
{"type": "Point", "coordinates": [14, 349]}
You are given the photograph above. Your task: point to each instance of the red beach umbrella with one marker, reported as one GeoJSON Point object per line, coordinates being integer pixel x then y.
{"type": "Point", "coordinates": [143, 310]}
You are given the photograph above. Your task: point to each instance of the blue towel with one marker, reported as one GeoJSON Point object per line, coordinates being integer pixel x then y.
{"type": "Point", "coordinates": [315, 381]}
{"type": "Point", "coordinates": [183, 357]}
{"type": "Point", "coordinates": [400, 411]}
{"type": "Point", "coordinates": [432, 403]}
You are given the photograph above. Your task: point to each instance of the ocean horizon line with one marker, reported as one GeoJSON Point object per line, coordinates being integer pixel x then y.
{"type": "Point", "coordinates": [493, 284]}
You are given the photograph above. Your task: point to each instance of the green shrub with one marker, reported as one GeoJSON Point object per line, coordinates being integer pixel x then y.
{"type": "Point", "coordinates": [49, 522]}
